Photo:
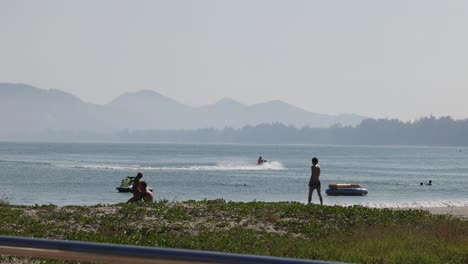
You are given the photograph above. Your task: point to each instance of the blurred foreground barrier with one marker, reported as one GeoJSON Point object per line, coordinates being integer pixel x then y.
{"type": "Point", "coordinates": [113, 253]}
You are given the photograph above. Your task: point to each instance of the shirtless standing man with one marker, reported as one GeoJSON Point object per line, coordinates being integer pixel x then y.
{"type": "Point", "coordinates": [314, 182]}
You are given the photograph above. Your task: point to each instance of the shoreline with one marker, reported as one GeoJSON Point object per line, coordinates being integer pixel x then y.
{"type": "Point", "coordinates": [456, 211]}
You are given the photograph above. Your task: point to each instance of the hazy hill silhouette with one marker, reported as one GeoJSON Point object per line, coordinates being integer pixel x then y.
{"type": "Point", "coordinates": [27, 109]}
{"type": "Point", "coordinates": [149, 110]}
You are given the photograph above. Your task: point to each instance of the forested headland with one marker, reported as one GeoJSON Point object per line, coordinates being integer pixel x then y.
{"type": "Point", "coordinates": [426, 131]}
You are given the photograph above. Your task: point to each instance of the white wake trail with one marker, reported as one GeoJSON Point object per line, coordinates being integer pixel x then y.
{"type": "Point", "coordinates": [221, 166]}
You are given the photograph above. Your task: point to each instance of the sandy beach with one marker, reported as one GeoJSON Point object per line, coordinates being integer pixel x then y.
{"type": "Point", "coordinates": [461, 212]}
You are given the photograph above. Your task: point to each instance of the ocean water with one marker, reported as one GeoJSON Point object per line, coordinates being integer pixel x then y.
{"type": "Point", "coordinates": [86, 174]}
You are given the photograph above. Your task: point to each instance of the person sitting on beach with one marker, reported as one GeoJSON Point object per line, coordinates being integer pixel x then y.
{"type": "Point", "coordinates": [144, 194]}
{"type": "Point", "coordinates": [314, 182]}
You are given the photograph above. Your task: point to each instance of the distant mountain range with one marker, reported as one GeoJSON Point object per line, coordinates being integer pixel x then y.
{"type": "Point", "coordinates": [25, 109]}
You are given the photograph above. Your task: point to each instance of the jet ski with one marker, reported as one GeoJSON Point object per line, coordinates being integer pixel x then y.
{"type": "Point", "coordinates": [125, 185]}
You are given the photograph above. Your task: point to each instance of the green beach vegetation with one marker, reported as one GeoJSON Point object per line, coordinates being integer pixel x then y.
{"type": "Point", "coordinates": [286, 229]}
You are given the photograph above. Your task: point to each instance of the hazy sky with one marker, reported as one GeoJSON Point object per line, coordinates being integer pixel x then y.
{"type": "Point", "coordinates": [400, 59]}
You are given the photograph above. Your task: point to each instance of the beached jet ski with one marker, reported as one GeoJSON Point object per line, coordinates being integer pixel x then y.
{"type": "Point", "coordinates": [346, 189]}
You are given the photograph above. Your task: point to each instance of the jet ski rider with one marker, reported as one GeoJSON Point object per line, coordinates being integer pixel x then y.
{"type": "Point", "coordinates": [260, 161]}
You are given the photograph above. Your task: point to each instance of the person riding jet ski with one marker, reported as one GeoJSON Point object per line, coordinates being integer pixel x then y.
{"type": "Point", "coordinates": [261, 161]}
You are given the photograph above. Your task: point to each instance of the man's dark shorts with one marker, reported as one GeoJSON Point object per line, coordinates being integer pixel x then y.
{"type": "Point", "coordinates": [314, 185]}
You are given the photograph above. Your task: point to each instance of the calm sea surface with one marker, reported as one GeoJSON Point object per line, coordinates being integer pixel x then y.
{"type": "Point", "coordinates": [86, 174]}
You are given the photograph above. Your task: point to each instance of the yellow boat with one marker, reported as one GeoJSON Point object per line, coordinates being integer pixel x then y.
{"type": "Point", "coordinates": [343, 185]}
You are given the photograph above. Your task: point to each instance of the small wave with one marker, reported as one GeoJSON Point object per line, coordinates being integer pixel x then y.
{"type": "Point", "coordinates": [27, 162]}
{"type": "Point", "coordinates": [107, 167]}
{"type": "Point", "coordinates": [417, 204]}
{"type": "Point", "coordinates": [104, 167]}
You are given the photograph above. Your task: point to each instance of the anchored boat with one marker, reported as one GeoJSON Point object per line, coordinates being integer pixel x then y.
{"type": "Point", "coordinates": [346, 189]}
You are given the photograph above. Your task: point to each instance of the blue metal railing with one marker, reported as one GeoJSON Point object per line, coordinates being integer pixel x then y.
{"type": "Point", "coordinates": [112, 253]}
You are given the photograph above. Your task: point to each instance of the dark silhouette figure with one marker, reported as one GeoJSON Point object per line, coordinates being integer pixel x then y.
{"type": "Point", "coordinates": [314, 182]}
{"type": "Point", "coordinates": [260, 161]}
{"type": "Point", "coordinates": [144, 194]}
{"type": "Point", "coordinates": [135, 184]}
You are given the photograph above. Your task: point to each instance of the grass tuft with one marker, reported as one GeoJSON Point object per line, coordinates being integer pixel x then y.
{"type": "Point", "coordinates": [5, 200]}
